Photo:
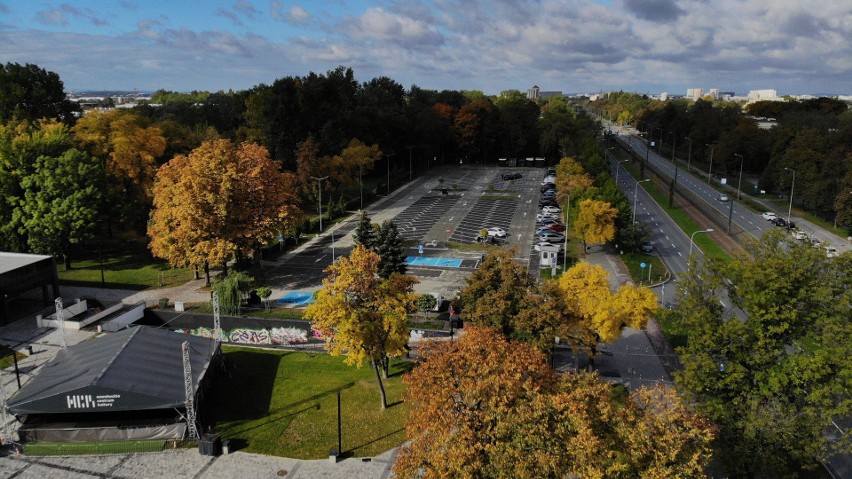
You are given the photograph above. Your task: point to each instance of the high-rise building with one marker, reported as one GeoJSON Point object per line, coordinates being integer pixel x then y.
{"type": "Point", "coordinates": [694, 93]}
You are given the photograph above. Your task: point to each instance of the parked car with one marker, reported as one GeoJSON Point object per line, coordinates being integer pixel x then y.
{"type": "Point", "coordinates": [551, 209]}
{"type": "Point", "coordinates": [538, 245]}
{"type": "Point", "coordinates": [723, 198]}
{"type": "Point", "coordinates": [816, 240]}
{"type": "Point", "coordinates": [558, 227]}
{"type": "Point", "coordinates": [550, 221]}
{"type": "Point", "coordinates": [547, 186]}
{"type": "Point", "coordinates": [831, 252]}
{"type": "Point", "coordinates": [547, 202]}
{"type": "Point", "coordinates": [647, 247]}
{"type": "Point", "coordinates": [545, 216]}
{"type": "Point", "coordinates": [549, 179]}
{"type": "Point", "coordinates": [495, 231]}
{"type": "Point", "coordinates": [769, 215]}
{"type": "Point", "coordinates": [800, 235]}
{"type": "Point", "coordinates": [551, 237]}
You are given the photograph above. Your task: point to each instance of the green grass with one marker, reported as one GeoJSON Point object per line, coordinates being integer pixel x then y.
{"type": "Point", "coordinates": [675, 333]}
{"type": "Point", "coordinates": [285, 404]}
{"type": "Point", "coordinates": [107, 447]}
{"type": "Point", "coordinates": [634, 261]}
{"type": "Point", "coordinates": [126, 265]}
{"type": "Point", "coordinates": [7, 360]}
{"type": "Point", "coordinates": [686, 224]}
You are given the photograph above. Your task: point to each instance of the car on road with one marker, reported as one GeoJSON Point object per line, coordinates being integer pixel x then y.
{"type": "Point", "coordinates": [538, 246]}
{"type": "Point", "coordinates": [647, 247]}
{"type": "Point", "coordinates": [551, 237]}
{"type": "Point", "coordinates": [723, 198]}
{"type": "Point", "coordinates": [495, 231]}
{"type": "Point", "coordinates": [551, 209]}
{"type": "Point", "coordinates": [782, 223]}
{"type": "Point", "coordinates": [769, 215]}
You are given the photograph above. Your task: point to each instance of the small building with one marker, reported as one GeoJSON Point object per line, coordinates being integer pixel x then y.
{"type": "Point", "coordinates": [21, 276]}
{"type": "Point", "coordinates": [549, 255]}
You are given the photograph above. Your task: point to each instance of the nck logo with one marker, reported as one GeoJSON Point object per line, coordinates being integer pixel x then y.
{"type": "Point", "coordinates": [80, 401]}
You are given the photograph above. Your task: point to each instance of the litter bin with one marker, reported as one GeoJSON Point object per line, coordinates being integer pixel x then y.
{"type": "Point", "coordinates": [210, 445]}
{"type": "Point", "coordinates": [226, 446]}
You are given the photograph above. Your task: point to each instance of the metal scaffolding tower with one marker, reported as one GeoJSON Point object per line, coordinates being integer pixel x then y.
{"type": "Point", "coordinates": [190, 392]}
{"type": "Point", "coordinates": [60, 321]}
{"type": "Point", "coordinates": [217, 325]}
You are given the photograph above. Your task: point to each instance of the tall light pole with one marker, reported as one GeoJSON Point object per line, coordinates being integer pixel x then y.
{"type": "Point", "coordinates": [689, 155]}
{"type": "Point", "coordinates": [319, 187]}
{"type": "Point", "coordinates": [410, 148]}
{"type": "Point", "coordinates": [617, 166]}
{"type": "Point", "coordinates": [661, 138]}
{"type": "Point", "coordinates": [692, 237]}
{"type": "Point", "coordinates": [739, 182]}
{"type": "Point", "coordinates": [673, 184]}
{"type": "Point", "coordinates": [710, 170]}
{"type": "Point", "coordinates": [388, 155]}
{"type": "Point", "coordinates": [635, 191]}
{"type": "Point", "coordinates": [792, 186]}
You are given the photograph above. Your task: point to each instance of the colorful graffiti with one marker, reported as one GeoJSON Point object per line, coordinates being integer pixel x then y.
{"type": "Point", "coordinates": [288, 335]}
{"type": "Point", "coordinates": [249, 336]}
{"type": "Point", "coordinates": [278, 336]}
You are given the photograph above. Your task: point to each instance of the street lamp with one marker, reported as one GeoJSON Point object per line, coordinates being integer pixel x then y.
{"type": "Point", "coordinates": [692, 237]}
{"type": "Point", "coordinates": [635, 191]}
{"type": "Point", "coordinates": [673, 184]}
{"type": "Point", "coordinates": [689, 155]}
{"type": "Point", "coordinates": [409, 160]}
{"type": "Point", "coordinates": [319, 187]}
{"type": "Point", "coordinates": [792, 185]}
{"type": "Point", "coordinates": [388, 155]}
{"type": "Point", "coordinates": [739, 182]}
{"type": "Point", "coordinates": [710, 170]}
{"type": "Point", "coordinates": [617, 166]}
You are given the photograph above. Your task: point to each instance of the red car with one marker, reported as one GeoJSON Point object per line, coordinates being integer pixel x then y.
{"type": "Point", "coordinates": [558, 227]}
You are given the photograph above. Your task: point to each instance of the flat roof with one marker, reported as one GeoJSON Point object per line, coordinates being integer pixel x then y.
{"type": "Point", "coordinates": [12, 261]}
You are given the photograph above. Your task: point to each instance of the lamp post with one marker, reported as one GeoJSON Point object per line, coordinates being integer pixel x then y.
{"type": "Point", "coordinates": [319, 187]}
{"type": "Point", "coordinates": [617, 166]}
{"type": "Point", "coordinates": [739, 182]}
{"type": "Point", "coordinates": [661, 138]}
{"type": "Point", "coordinates": [673, 184]}
{"type": "Point", "coordinates": [692, 238]}
{"type": "Point", "coordinates": [410, 148]}
{"type": "Point", "coordinates": [388, 156]}
{"type": "Point", "coordinates": [689, 155]}
{"type": "Point", "coordinates": [635, 191]}
{"type": "Point", "coordinates": [792, 186]}
{"type": "Point", "coordinates": [710, 170]}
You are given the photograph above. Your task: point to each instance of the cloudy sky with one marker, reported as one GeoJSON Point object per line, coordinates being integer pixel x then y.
{"type": "Point", "coordinates": [794, 46]}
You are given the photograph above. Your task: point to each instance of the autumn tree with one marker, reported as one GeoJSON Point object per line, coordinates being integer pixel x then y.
{"type": "Point", "coordinates": [494, 292]}
{"type": "Point", "coordinates": [364, 316]}
{"type": "Point", "coordinates": [775, 377]}
{"type": "Point", "coordinates": [595, 222]}
{"type": "Point", "coordinates": [390, 250]}
{"type": "Point", "coordinates": [219, 202]}
{"type": "Point", "coordinates": [310, 165]}
{"type": "Point", "coordinates": [356, 160]}
{"type": "Point", "coordinates": [484, 406]}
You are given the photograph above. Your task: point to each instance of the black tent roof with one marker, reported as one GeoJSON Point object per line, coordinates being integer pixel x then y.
{"type": "Point", "coordinates": [135, 369]}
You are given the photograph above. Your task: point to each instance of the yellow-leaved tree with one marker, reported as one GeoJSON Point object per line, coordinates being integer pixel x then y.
{"type": "Point", "coordinates": [220, 201]}
{"type": "Point", "coordinates": [595, 222]}
{"type": "Point", "coordinates": [364, 316]}
{"type": "Point", "coordinates": [593, 313]}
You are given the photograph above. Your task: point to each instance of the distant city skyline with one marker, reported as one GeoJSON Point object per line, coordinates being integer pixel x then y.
{"type": "Point", "coordinates": [646, 46]}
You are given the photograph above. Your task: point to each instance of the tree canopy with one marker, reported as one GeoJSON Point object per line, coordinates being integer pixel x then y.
{"type": "Point", "coordinates": [30, 93]}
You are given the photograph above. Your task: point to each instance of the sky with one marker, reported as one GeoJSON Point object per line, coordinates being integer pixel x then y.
{"type": "Point", "coordinates": [645, 46]}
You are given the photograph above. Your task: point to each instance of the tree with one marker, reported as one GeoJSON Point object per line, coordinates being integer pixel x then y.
{"type": "Point", "coordinates": [773, 379]}
{"type": "Point", "coordinates": [29, 93]}
{"type": "Point", "coordinates": [264, 292]}
{"type": "Point", "coordinates": [219, 202]}
{"type": "Point", "coordinates": [485, 406]}
{"type": "Point", "coordinates": [494, 292]}
{"type": "Point", "coordinates": [365, 316]}
{"type": "Point", "coordinates": [595, 222]}
{"type": "Point", "coordinates": [233, 290]}
{"type": "Point", "coordinates": [365, 234]}
{"type": "Point", "coordinates": [426, 302]}
{"type": "Point", "coordinates": [356, 160]}
{"type": "Point", "coordinates": [389, 248]}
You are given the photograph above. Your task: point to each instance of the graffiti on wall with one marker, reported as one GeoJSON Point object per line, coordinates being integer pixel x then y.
{"type": "Point", "coordinates": [288, 335]}
{"type": "Point", "coordinates": [278, 336]}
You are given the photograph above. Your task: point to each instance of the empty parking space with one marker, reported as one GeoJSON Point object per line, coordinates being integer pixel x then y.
{"type": "Point", "coordinates": [416, 220]}
{"type": "Point", "coordinates": [485, 213]}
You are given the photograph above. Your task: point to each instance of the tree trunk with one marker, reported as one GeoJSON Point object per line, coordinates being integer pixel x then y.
{"type": "Point", "coordinates": [225, 268]}
{"type": "Point", "coordinates": [67, 258]}
{"type": "Point", "coordinates": [381, 385]}
{"type": "Point", "coordinates": [195, 272]}
{"type": "Point", "coordinates": [385, 366]}
{"type": "Point", "coordinates": [207, 272]}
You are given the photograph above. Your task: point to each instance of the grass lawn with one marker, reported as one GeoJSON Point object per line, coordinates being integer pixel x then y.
{"type": "Point", "coordinates": [126, 265]}
{"type": "Point", "coordinates": [634, 261]}
{"type": "Point", "coordinates": [284, 403]}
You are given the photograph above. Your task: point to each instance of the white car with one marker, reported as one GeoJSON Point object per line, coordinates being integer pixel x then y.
{"type": "Point", "coordinates": [769, 216]}
{"type": "Point", "coordinates": [546, 216]}
{"type": "Point", "coordinates": [551, 237]}
{"type": "Point", "coordinates": [495, 231]}
{"type": "Point", "coordinates": [551, 209]}
{"type": "Point", "coordinates": [723, 198]}
{"type": "Point", "coordinates": [800, 235]}
{"type": "Point", "coordinates": [831, 252]}
{"type": "Point", "coordinates": [538, 246]}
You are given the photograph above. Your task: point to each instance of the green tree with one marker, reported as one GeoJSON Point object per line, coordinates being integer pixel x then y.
{"type": "Point", "coordinates": [390, 250]}
{"type": "Point", "coordinates": [30, 93]}
{"type": "Point", "coordinates": [774, 379]}
{"type": "Point", "coordinates": [264, 292]}
{"type": "Point", "coordinates": [365, 234]}
{"type": "Point", "coordinates": [426, 302]}
{"type": "Point", "coordinates": [233, 289]}
{"type": "Point", "coordinates": [365, 316]}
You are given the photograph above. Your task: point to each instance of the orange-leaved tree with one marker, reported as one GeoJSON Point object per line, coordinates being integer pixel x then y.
{"type": "Point", "coordinates": [595, 223]}
{"type": "Point", "coordinates": [220, 201]}
{"type": "Point", "coordinates": [485, 406]}
{"type": "Point", "coordinates": [364, 316]}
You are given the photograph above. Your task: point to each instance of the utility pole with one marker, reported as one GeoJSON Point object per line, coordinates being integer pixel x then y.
{"type": "Point", "coordinates": [673, 184]}
{"type": "Point", "coordinates": [319, 187]}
